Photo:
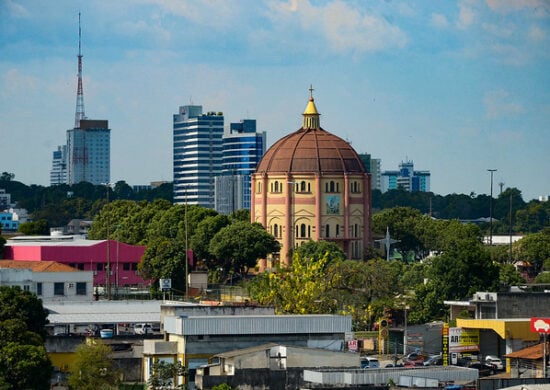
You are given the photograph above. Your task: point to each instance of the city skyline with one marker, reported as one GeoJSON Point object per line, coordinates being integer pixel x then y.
{"type": "Point", "coordinates": [457, 87]}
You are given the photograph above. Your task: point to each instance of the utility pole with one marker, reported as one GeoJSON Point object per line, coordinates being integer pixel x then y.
{"type": "Point", "coordinates": [491, 208]}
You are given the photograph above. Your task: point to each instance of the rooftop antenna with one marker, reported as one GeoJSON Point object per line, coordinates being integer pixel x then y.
{"type": "Point", "coordinates": [79, 114]}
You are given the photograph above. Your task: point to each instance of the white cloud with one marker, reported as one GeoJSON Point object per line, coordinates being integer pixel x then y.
{"type": "Point", "coordinates": [440, 21]}
{"type": "Point", "coordinates": [344, 27]}
{"type": "Point", "coordinates": [16, 10]}
{"type": "Point", "coordinates": [497, 30]}
{"type": "Point", "coordinates": [537, 34]}
{"type": "Point", "coordinates": [466, 16]}
{"type": "Point", "coordinates": [498, 104]}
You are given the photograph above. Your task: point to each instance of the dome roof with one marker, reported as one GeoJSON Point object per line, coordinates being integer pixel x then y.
{"type": "Point", "coordinates": [311, 150]}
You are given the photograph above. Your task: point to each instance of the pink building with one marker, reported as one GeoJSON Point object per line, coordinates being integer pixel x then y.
{"type": "Point", "coordinates": [87, 255]}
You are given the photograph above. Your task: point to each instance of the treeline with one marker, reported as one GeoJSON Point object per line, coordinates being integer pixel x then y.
{"type": "Point", "coordinates": [57, 205]}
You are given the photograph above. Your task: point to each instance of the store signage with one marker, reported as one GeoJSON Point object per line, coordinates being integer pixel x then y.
{"type": "Point", "coordinates": [540, 325]}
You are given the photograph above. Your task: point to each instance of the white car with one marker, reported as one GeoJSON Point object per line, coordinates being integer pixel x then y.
{"type": "Point", "coordinates": [494, 361]}
{"type": "Point", "coordinates": [143, 329]}
{"type": "Point", "coordinates": [369, 362]}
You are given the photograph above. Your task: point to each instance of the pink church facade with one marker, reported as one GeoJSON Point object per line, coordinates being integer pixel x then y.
{"type": "Point", "coordinates": [86, 255]}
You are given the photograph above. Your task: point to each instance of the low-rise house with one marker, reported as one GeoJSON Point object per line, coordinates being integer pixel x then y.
{"type": "Point", "coordinates": [196, 339]}
{"type": "Point", "coordinates": [49, 280]}
{"type": "Point", "coordinates": [529, 362]}
{"type": "Point", "coordinates": [265, 365]}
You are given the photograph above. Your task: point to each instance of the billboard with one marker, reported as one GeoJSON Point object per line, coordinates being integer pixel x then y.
{"type": "Point", "coordinates": [463, 340]}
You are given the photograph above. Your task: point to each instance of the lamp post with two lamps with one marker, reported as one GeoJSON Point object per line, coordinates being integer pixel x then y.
{"type": "Point", "coordinates": [491, 208]}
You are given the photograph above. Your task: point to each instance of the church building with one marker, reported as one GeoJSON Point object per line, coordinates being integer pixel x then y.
{"type": "Point", "coordinates": [312, 185]}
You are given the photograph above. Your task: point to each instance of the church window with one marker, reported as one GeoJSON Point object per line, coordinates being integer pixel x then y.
{"type": "Point", "coordinates": [327, 230]}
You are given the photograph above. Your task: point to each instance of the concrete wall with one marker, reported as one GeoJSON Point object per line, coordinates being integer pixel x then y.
{"type": "Point", "coordinates": [523, 305]}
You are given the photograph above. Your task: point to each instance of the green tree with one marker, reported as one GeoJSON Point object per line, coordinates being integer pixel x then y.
{"type": "Point", "coordinates": [509, 276]}
{"type": "Point", "coordinates": [237, 247]}
{"type": "Point", "coordinates": [24, 366]}
{"type": "Point", "coordinates": [315, 250]}
{"type": "Point", "coordinates": [93, 368]}
{"type": "Point", "coordinates": [24, 363]}
{"type": "Point", "coordinates": [459, 272]}
{"type": "Point", "coordinates": [402, 224]}
{"type": "Point", "coordinates": [25, 306]}
{"type": "Point", "coordinates": [533, 248]}
{"type": "Point", "coordinates": [35, 228]}
{"type": "Point", "coordinates": [165, 374]}
{"type": "Point", "coordinates": [205, 231]}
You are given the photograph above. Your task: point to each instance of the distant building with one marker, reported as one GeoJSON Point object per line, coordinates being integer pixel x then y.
{"type": "Point", "coordinates": [58, 174]}
{"type": "Point", "coordinates": [84, 255]}
{"type": "Point", "coordinates": [7, 222]}
{"type": "Point", "coordinates": [49, 280]}
{"type": "Point", "coordinates": [406, 178]}
{"type": "Point", "coordinates": [372, 166]}
{"type": "Point", "coordinates": [89, 152]}
{"type": "Point", "coordinates": [5, 200]}
{"type": "Point", "coordinates": [197, 158]}
{"type": "Point", "coordinates": [242, 150]}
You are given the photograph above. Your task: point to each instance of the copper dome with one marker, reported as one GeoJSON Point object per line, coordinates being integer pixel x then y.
{"type": "Point", "coordinates": [311, 150]}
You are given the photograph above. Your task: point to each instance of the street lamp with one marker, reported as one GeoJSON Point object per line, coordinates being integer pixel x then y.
{"type": "Point", "coordinates": [491, 209]}
{"type": "Point", "coordinates": [108, 273]}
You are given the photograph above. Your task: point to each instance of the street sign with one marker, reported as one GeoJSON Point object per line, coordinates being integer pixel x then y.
{"type": "Point", "coordinates": [540, 325]}
{"type": "Point", "coordinates": [165, 284]}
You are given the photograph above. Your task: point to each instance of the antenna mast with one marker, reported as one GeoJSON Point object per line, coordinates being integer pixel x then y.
{"type": "Point", "coordinates": [79, 93]}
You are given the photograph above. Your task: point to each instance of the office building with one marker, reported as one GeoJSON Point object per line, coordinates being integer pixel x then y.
{"type": "Point", "coordinates": [372, 166]}
{"type": "Point", "coordinates": [89, 152]}
{"type": "Point", "coordinates": [58, 174]}
{"type": "Point", "coordinates": [406, 178]}
{"type": "Point", "coordinates": [197, 155]}
{"type": "Point", "coordinates": [242, 150]}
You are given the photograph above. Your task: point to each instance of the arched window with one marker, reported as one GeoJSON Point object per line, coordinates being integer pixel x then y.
{"type": "Point", "coordinates": [302, 186]}
{"type": "Point", "coordinates": [275, 230]}
{"type": "Point", "coordinates": [303, 230]}
{"type": "Point", "coordinates": [308, 187]}
{"type": "Point", "coordinates": [259, 187]}
{"type": "Point", "coordinates": [276, 186]}
{"type": "Point", "coordinates": [297, 231]}
{"type": "Point", "coordinates": [337, 230]}
{"type": "Point", "coordinates": [309, 231]}
{"type": "Point", "coordinates": [327, 230]}
{"type": "Point", "coordinates": [331, 186]}
{"type": "Point", "coordinates": [337, 187]}
{"type": "Point", "coordinates": [326, 187]}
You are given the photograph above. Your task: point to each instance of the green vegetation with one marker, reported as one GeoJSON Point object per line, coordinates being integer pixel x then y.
{"type": "Point", "coordinates": [24, 363]}
{"type": "Point", "coordinates": [93, 368]}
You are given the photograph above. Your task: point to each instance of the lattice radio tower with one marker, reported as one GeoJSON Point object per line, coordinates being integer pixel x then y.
{"type": "Point", "coordinates": [79, 114]}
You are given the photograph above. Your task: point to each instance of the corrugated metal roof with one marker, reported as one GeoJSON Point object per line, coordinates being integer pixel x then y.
{"type": "Point", "coordinates": [534, 352]}
{"type": "Point", "coordinates": [262, 324]}
{"type": "Point", "coordinates": [383, 375]}
{"type": "Point", "coordinates": [103, 312]}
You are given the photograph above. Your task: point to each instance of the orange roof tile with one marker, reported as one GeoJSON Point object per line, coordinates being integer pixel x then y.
{"type": "Point", "coordinates": [534, 352]}
{"type": "Point", "coordinates": [37, 266]}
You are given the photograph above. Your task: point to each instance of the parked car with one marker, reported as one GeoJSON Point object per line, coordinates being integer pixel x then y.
{"type": "Point", "coordinates": [435, 360]}
{"type": "Point", "coordinates": [484, 369]}
{"type": "Point", "coordinates": [494, 361]}
{"type": "Point", "coordinates": [414, 358]}
{"type": "Point", "coordinates": [143, 329]}
{"type": "Point", "coordinates": [369, 362]}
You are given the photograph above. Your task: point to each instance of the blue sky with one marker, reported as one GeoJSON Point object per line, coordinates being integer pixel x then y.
{"type": "Point", "coordinates": [458, 87]}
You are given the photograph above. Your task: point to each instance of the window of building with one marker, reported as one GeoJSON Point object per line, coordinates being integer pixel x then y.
{"type": "Point", "coordinates": [327, 230]}
{"type": "Point", "coordinates": [80, 266]}
{"type": "Point", "coordinates": [337, 230]}
{"type": "Point", "coordinates": [59, 288]}
{"type": "Point", "coordinates": [134, 266]}
{"type": "Point", "coordinates": [99, 266]}
{"type": "Point", "coordinates": [303, 230]}
{"type": "Point", "coordinates": [26, 287]}
{"type": "Point", "coordinates": [126, 266]}
{"type": "Point", "coordinates": [80, 288]}
{"type": "Point", "coordinates": [259, 188]}
{"type": "Point", "coordinates": [275, 230]}
{"type": "Point", "coordinates": [39, 288]}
